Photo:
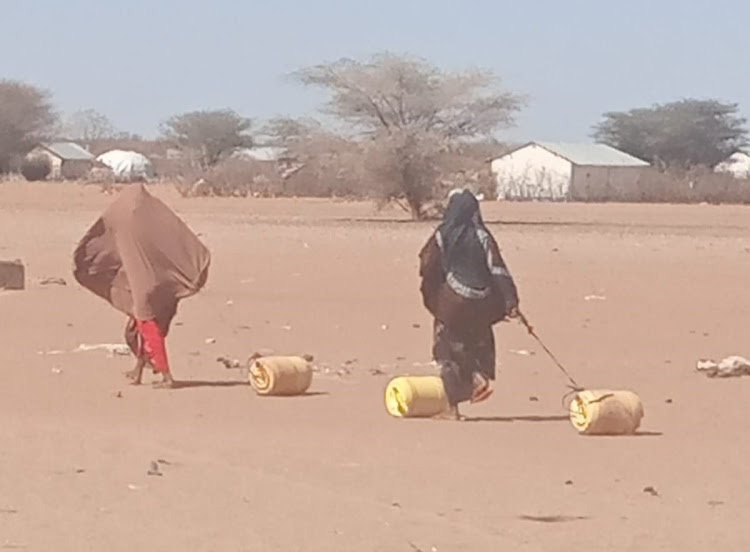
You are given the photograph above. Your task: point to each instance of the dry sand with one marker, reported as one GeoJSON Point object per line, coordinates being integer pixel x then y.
{"type": "Point", "coordinates": [331, 471]}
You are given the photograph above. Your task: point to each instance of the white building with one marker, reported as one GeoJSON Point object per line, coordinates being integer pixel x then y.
{"type": "Point", "coordinates": [738, 164]}
{"type": "Point", "coordinates": [128, 166]}
{"type": "Point", "coordinates": [551, 170]}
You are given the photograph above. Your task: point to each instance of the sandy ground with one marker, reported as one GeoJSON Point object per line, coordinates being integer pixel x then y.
{"type": "Point", "coordinates": [332, 471]}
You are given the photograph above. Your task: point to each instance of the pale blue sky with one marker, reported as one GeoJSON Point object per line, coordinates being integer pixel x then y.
{"type": "Point", "coordinates": [140, 61]}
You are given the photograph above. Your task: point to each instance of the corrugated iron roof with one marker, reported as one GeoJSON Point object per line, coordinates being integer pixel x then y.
{"type": "Point", "coordinates": [68, 151]}
{"type": "Point", "coordinates": [598, 155]}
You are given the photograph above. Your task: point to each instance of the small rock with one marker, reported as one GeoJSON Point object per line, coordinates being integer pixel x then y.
{"type": "Point", "coordinates": [230, 303]}
{"type": "Point", "coordinates": [395, 504]}
{"type": "Point", "coordinates": [569, 482]}
{"type": "Point", "coordinates": [384, 327]}
{"type": "Point", "coordinates": [350, 362]}
{"type": "Point", "coordinates": [56, 370]}
{"type": "Point", "coordinates": [715, 503]}
{"type": "Point", "coordinates": [210, 340]}
{"type": "Point", "coordinates": [416, 326]}
{"type": "Point", "coordinates": [376, 372]}
{"type": "Point", "coordinates": [650, 490]}
{"type": "Point", "coordinates": [533, 399]}
{"type": "Point", "coordinates": [154, 469]}
{"type": "Point", "coordinates": [80, 470]}
{"type": "Point", "coordinates": [286, 328]}
{"type": "Point", "coordinates": [669, 401]}
{"type": "Point", "coordinates": [118, 395]}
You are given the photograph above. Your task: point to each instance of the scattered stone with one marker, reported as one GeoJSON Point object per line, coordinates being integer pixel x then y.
{"type": "Point", "coordinates": [416, 326]}
{"type": "Point", "coordinates": [210, 341]}
{"type": "Point", "coordinates": [669, 401]}
{"type": "Point", "coordinates": [569, 482]}
{"type": "Point", "coordinates": [714, 503]}
{"type": "Point", "coordinates": [154, 469]}
{"type": "Point", "coordinates": [376, 372]}
{"type": "Point", "coordinates": [80, 470]}
{"type": "Point", "coordinates": [533, 399]}
{"type": "Point", "coordinates": [650, 490]}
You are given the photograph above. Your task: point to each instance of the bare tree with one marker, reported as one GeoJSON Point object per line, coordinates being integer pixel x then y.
{"type": "Point", "coordinates": [412, 113]}
{"type": "Point", "coordinates": [207, 135]}
{"type": "Point", "coordinates": [89, 125]}
{"type": "Point", "coordinates": [26, 117]}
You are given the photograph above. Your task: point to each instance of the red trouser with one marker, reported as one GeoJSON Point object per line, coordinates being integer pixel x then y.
{"type": "Point", "coordinates": [153, 343]}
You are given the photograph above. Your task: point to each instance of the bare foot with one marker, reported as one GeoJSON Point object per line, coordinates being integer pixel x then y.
{"type": "Point", "coordinates": [166, 383]}
{"type": "Point", "coordinates": [136, 374]}
{"type": "Point", "coordinates": [451, 413]}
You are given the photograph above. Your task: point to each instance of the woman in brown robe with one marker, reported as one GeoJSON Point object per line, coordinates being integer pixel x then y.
{"type": "Point", "coordinates": [142, 259]}
{"type": "Point", "coordinates": [466, 286]}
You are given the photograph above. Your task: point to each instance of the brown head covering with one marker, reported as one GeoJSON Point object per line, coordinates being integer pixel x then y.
{"type": "Point", "coordinates": [141, 258]}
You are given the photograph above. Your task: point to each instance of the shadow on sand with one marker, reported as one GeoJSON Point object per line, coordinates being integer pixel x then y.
{"type": "Point", "coordinates": [555, 418]}
{"type": "Point", "coordinates": [195, 384]}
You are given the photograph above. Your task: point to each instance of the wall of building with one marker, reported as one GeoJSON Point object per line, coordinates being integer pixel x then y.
{"type": "Point", "coordinates": [532, 172]}
{"type": "Point", "coordinates": [614, 183]}
{"type": "Point", "coordinates": [73, 170]}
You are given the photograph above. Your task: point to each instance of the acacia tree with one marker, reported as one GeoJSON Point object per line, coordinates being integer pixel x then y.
{"type": "Point", "coordinates": [26, 117]}
{"type": "Point", "coordinates": [410, 114]}
{"type": "Point", "coordinates": [207, 135]}
{"type": "Point", "coordinates": [679, 134]}
{"type": "Point", "coordinates": [89, 125]}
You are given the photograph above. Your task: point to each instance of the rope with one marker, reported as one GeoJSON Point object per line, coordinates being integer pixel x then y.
{"type": "Point", "coordinates": [573, 384]}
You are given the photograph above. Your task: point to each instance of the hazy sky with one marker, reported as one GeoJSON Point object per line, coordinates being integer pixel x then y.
{"type": "Point", "coordinates": [140, 61]}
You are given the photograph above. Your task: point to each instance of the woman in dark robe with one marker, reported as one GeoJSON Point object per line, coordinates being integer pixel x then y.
{"type": "Point", "coordinates": [467, 288]}
{"type": "Point", "coordinates": [142, 259]}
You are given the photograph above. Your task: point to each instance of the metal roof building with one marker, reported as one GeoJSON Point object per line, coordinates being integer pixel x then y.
{"type": "Point", "coordinates": [551, 170]}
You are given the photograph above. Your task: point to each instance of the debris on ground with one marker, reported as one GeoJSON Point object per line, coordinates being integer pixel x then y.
{"type": "Point", "coordinates": [113, 349]}
{"type": "Point", "coordinates": [650, 490]}
{"type": "Point", "coordinates": [522, 352]}
{"type": "Point", "coordinates": [52, 281]}
{"type": "Point", "coordinates": [229, 363]}
{"type": "Point", "coordinates": [595, 298]}
{"type": "Point", "coordinates": [210, 340]}
{"type": "Point", "coordinates": [730, 367]}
